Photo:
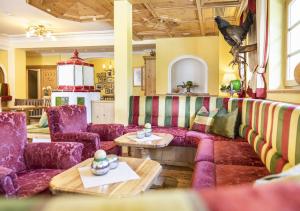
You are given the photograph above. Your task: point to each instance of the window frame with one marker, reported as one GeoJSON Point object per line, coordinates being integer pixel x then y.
{"type": "Point", "coordinates": [289, 83]}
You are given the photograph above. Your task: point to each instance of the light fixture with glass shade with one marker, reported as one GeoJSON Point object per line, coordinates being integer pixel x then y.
{"type": "Point", "coordinates": [40, 31]}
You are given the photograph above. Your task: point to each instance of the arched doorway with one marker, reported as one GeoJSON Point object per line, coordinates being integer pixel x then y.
{"type": "Point", "coordinates": [2, 76]}
{"type": "Point", "coordinates": [188, 68]}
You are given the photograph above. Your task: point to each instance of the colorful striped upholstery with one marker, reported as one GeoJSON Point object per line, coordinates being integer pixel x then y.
{"type": "Point", "coordinates": [173, 111]}
{"type": "Point", "coordinates": [273, 129]}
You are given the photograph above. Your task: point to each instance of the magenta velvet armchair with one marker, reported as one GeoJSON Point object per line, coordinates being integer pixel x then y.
{"type": "Point", "coordinates": [26, 169]}
{"type": "Point", "coordinates": [69, 123]}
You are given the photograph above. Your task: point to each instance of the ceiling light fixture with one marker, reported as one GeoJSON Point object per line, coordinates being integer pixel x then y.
{"type": "Point", "coordinates": [39, 31]}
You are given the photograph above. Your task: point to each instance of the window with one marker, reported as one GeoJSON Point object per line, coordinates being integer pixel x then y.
{"type": "Point", "coordinates": [293, 37]}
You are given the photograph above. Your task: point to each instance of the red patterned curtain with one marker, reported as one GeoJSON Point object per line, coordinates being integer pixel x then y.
{"type": "Point", "coordinates": [257, 87]}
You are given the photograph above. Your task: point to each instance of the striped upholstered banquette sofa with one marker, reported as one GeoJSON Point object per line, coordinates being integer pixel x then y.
{"type": "Point", "coordinates": [268, 141]}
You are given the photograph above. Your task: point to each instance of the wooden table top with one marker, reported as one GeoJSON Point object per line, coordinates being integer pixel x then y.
{"type": "Point", "coordinates": [163, 142]}
{"type": "Point", "coordinates": [69, 181]}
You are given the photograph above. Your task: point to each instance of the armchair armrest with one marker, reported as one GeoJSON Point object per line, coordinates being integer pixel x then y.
{"type": "Point", "coordinates": [61, 155]}
{"type": "Point", "coordinates": [90, 141]}
{"type": "Point", "coordinates": [8, 184]}
{"type": "Point", "coordinates": [107, 132]}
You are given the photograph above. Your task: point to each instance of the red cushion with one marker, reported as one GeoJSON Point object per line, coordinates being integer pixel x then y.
{"type": "Point", "coordinates": [110, 147]}
{"type": "Point", "coordinates": [275, 197]}
{"type": "Point", "coordinates": [235, 153]}
{"type": "Point", "coordinates": [205, 151]}
{"type": "Point", "coordinates": [35, 181]}
{"type": "Point", "coordinates": [204, 175]}
{"type": "Point", "coordinates": [237, 174]}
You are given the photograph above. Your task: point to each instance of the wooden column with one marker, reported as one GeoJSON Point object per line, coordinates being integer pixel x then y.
{"type": "Point", "coordinates": [123, 59]}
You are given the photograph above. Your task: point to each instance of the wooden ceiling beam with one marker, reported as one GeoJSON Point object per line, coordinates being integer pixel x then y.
{"type": "Point", "coordinates": [155, 15]}
{"type": "Point", "coordinates": [200, 17]}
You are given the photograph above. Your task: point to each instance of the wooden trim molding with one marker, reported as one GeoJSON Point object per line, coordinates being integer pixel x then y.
{"type": "Point", "coordinates": [40, 67]}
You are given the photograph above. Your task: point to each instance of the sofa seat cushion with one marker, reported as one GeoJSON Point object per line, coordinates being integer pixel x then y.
{"type": "Point", "coordinates": [235, 153]}
{"type": "Point", "coordinates": [110, 147]}
{"type": "Point", "coordinates": [204, 175]}
{"type": "Point", "coordinates": [32, 182]}
{"type": "Point", "coordinates": [238, 174]}
{"type": "Point", "coordinates": [222, 138]}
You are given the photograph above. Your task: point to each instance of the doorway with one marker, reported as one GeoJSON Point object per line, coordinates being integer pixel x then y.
{"type": "Point", "coordinates": [33, 82]}
{"type": "Point", "coordinates": [2, 76]}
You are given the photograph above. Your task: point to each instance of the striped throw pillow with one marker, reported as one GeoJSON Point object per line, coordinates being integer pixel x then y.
{"type": "Point", "coordinates": [203, 120]}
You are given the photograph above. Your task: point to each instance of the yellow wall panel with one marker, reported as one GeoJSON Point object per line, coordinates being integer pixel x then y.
{"type": "Point", "coordinates": [206, 48]}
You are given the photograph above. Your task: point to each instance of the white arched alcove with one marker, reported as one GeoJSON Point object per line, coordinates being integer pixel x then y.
{"type": "Point", "coordinates": [188, 68]}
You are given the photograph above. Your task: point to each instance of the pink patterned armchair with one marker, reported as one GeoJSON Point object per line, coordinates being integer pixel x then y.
{"type": "Point", "coordinates": [26, 169]}
{"type": "Point", "coordinates": [69, 123]}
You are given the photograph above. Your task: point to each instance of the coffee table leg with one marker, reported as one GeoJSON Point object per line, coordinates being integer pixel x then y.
{"type": "Point", "coordinates": [139, 152]}
{"type": "Point", "coordinates": [145, 154]}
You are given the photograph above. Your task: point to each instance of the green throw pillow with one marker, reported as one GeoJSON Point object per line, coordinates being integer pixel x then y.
{"type": "Point", "coordinates": [225, 125]}
{"type": "Point", "coordinates": [43, 120]}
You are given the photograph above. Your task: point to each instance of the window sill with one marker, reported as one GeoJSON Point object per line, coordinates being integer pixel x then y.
{"type": "Point", "coordinates": [282, 91]}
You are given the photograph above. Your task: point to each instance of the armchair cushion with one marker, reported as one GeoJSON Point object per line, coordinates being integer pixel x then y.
{"type": "Point", "coordinates": [107, 132]}
{"type": "Point", "coordinates": [8, 184]}
{"type": "Point", "coordinates": [90, 141]}
{"type": "Point", "coordinates": [53, 155]}
{"type": "Point", "coordinates": [70, 118]}
{"type": "Point", "coordinates": [13, 139]}
{"type": "Point", "coordinates": [35, 181]}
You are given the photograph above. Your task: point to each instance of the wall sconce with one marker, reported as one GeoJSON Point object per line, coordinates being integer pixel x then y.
{"type": "Point", "coordinates": [107, 68]}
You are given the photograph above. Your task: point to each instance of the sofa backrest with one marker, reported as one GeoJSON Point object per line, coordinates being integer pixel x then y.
{"type": "Point", "coordinates": [173, 111]}
{"type": "Point", "coordinates": [273, 129]}
{"type": "Point", "coordinates": [66, 119]}
{"type": "Point", "coordinates": [13, 138]}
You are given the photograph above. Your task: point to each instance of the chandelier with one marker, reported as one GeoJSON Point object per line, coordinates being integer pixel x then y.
{"type": "Point", "coordinates": [39, 31]}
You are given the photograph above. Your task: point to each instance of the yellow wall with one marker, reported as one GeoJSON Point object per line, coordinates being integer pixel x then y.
{"type": "Point", "coordinates": [46, 60]}
{"type": "Point", "coordinates": [207, 48]}
{"type": "Point", "coordinates": [4, 61]}
{"type": "Point", "coordinates": [137, 61]}
{"type": "Point", "coordinates": [20, 74]}
{"type": "Point", "coordinates": [225, 71]}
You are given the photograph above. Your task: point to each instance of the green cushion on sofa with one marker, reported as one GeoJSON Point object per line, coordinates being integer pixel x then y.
{"type": "Point", "coordinates": [225, 125]}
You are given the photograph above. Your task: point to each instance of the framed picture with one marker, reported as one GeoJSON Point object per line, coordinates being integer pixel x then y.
{"type": "Point", "coordinates": [137, 76]}
{"type": "Point", "coordinates": [102, 74]}
{"type": "Point", "coordinates": [109, 80]}
{"type": "Point", "coordinates": [109, 91]}
{"type": "Point", "coordinates": [99, 86]}
{"type": "Point", "coordinates": [109, 73]}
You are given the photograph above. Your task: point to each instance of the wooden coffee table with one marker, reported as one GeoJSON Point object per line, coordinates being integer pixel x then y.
{"type": "Point", "coordinates": [69, 181]}
{"type": "Point", "coordinates": [143, 149]}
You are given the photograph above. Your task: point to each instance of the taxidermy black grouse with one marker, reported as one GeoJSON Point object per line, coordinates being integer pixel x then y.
{"type": "Point", "coordinates": [234, 35]}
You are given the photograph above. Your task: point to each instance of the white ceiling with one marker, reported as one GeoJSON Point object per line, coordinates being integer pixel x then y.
{"type": "Point", "coordinates": [16, 15]}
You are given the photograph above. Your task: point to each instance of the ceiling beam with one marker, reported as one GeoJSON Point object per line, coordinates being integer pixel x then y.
{"type": "Point", "coordinates": [155, 15]}
{"type": "Point", "coordinates": [200, 17]}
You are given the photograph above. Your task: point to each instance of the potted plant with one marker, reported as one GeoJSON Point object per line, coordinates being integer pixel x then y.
{"type": "Point", "coordinates": [187, 85]}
